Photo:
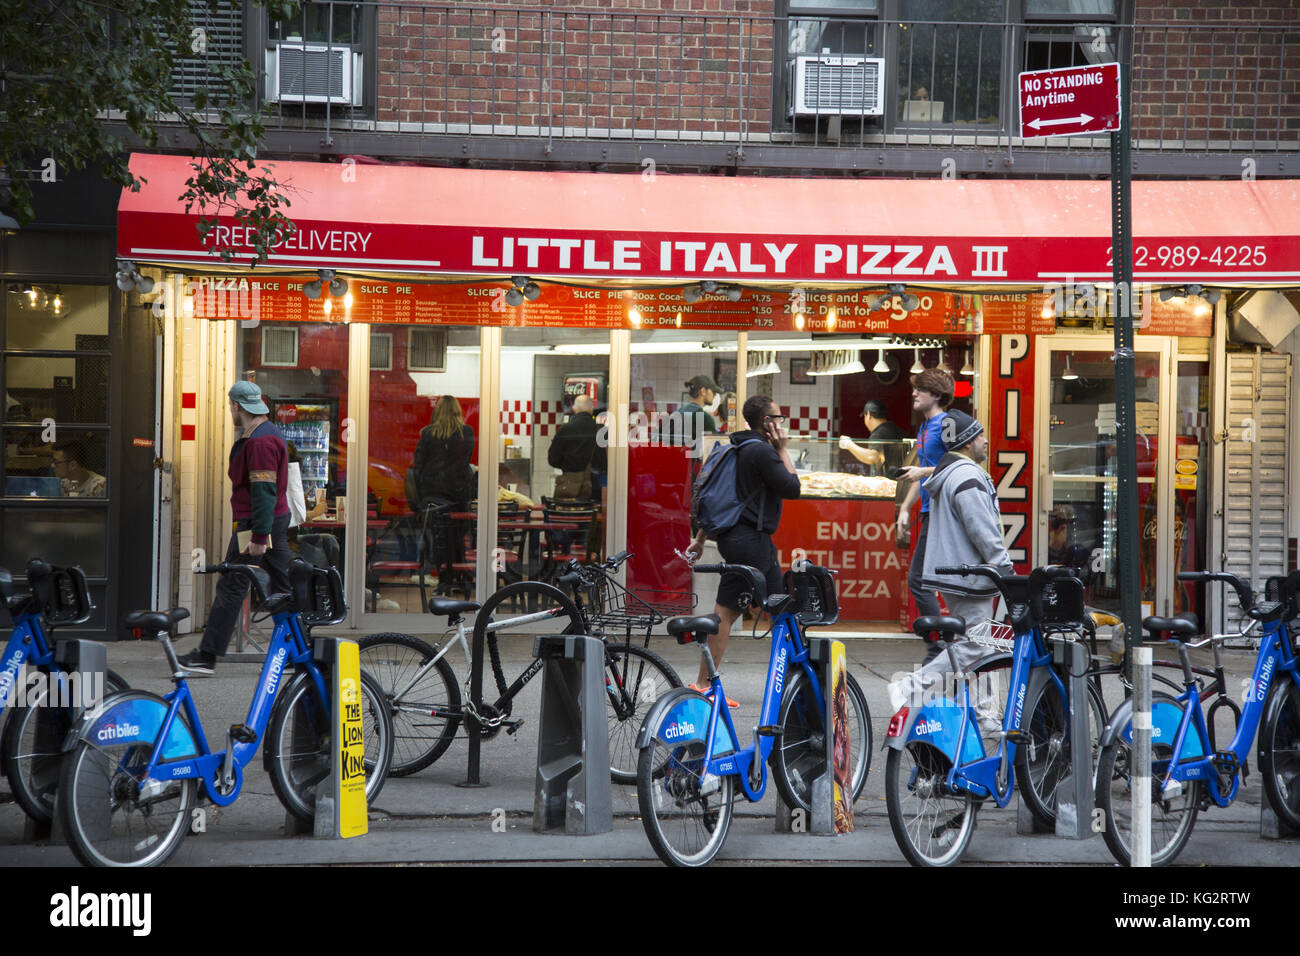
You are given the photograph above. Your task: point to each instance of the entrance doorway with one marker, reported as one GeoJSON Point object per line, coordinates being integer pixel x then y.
{"type": "Point", "coordinates": [1079, 486]}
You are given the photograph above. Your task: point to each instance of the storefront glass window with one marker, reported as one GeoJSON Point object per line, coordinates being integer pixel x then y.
{"type": "Point", "coordinates": [552, 484]}
{"type": "Point", "coordinates": [1083, 468]}
{"type": "Point", "coordinates": [55, 379]}
{"type": "Point", "coordinates": [302, 368]}
{"type": "Point", "coordinates": [425, 421]}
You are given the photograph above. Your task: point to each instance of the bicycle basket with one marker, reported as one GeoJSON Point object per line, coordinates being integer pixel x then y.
{"type": "Point", "coordinates": [814, 593]}
{"type": "Point", "coordinates": [61, 594]}
{"type": "Point", "coordinates": [318, 594]}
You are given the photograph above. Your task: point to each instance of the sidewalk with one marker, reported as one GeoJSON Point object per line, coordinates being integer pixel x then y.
{"type": "Point", "coordinates": [426, 818]}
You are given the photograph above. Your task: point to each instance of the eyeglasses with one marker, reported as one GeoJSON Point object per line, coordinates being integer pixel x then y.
{"type": "Point", "coordinates": [59, 461]}
{"type": "Point", "coordinates": [774, 418]}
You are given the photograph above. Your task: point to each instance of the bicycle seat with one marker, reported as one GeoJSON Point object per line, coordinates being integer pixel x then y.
{"type": "Point", "coordinates": [1178, 628]}
{"type": "Point", "coordinates": [155, 621]}
{"type": "Point", "coordinates": [699, 628]}
{"type": "Point", "coordinates": [945, 624]}
{"type": "Point", "coordinates": [446, 606]}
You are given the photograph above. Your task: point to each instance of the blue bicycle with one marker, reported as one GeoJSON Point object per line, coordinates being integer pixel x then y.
{"type": "Point", "coordinates": [32, 744]}
{"type": "Point", "coordinates": [948, 756]}
{"type": "Point", "coordinates": [1188, 773]}
{"type": "Point", "coordinates": [690, 763]}
{"type": "Point", "coordinates": [128, 784]}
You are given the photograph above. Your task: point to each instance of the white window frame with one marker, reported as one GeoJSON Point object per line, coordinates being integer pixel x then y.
{"type": "Point", "coordinates": [280, 329]}
{"type": "Point", "coordinates": [381, 335]}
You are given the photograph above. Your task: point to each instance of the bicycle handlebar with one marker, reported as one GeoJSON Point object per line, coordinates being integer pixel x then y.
{"type": "Point", "coordinates": [755, 576]}
{"type": "Point", "coordinates": [257, 577]}
{"type": "Point", "coordinates": [1244, 593]}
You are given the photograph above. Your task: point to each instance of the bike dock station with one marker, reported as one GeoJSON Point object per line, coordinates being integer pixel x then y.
{"type": "Point", "coordinates": [572, 785]}
{"type": "Point", "coordinates": [821, 820]}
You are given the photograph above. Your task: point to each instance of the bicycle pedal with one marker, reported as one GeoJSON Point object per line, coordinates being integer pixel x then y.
{"type": "Point", "coordinates": [1017, 737]}
{"type": "Point", "coordinates": [243, 734]}
{"type": "Point", "coordinates": [513, 726]}
{"type": "Point", "coordinates": [770, 730]}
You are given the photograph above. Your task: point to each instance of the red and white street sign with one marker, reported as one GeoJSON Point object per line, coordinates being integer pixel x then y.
{"type": "Point", "coordinates": [1069, 101]}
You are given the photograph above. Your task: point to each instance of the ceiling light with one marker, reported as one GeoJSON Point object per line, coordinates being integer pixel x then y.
{"type": "Point", "coordinates": [799, 321]}
{"type": "Point", "coordinates": [1069, 375]}
{"type": "Point", "coordinates": [734, 292]}
{"type": "Point", "coordinates": [328, 306]}
{"type": "Point", "coordinates": [312, 290]}
{"type": "Point", "coordinates": [906, 300]}
{"type": "Point", "coordinates": [634, 317]}
{"type": "Point", "coordinates": [515, 297]}
{"type": "Point", "coordinates": [968, 369]}
{"type": "Point", "coordinates": [917, 367]}
{"type": "Point", "coordinates": [338, 286]}
{"type": "Point", "coordinates": [143, 284]}
{"type": "Point", "coordinates": [691, 293]}
{"type": "Point", "coordinates": [762, 363]}
{"type": "Point", "coordinates": [679, 320]}
{"type": "Point", "coordinates": [532, 291]}
{"type": "Point", "coordinates": [831, 319]}
{"type": "Point", "coordinates": [125, 275]}
{"type": "Point", "coordinates": [1212, 296]}
{"type": "Point", "coordinates": [1173, 292]}
{"type": "Point", "coordinates": [875, 301]}
{"type": "Point", "coordinates": [881, 367]}
{"type": "Point", "coordinates": [708, 287]}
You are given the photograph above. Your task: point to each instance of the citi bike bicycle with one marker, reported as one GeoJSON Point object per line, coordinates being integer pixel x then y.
{"type": "Point", "coordinates": [425, 697]}
{"type": "Point", "coordinates": [128, 783]}
{"type": "Point", "coordinates": [691, 763]}
{"type": "Point", "coordinates": [1188, 774]}
{"type": "Point", "coordinates": [943, 766]}
{"type": "Point", "coordinates": [32, 744]}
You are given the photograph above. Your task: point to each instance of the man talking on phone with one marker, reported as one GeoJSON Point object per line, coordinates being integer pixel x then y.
{"type": "Point", "coordinates": [765, 476]}
{"type": "Point", "coordinates": [259, 484]}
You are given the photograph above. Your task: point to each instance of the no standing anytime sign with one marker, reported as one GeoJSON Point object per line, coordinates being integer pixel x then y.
{"type": "Point", "coordinates": [1069, 101]}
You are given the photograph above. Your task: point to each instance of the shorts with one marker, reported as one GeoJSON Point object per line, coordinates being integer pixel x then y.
{"type": "Point", "coordinates": [746, 545]}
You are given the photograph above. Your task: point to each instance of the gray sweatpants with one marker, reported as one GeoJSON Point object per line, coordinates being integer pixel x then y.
{"type": "Point", "coordinates": [972, 609]}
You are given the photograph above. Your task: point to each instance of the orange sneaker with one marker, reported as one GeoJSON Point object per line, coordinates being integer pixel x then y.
{"type": "Point", "coordinates": [708, 692]}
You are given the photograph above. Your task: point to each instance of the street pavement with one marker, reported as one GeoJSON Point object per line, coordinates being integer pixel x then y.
{"type": "Point", "coordinates": [428, 819]}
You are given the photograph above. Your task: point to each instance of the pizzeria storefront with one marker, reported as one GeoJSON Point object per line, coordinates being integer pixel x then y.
{"type": "Point", "coordinates": [517, 293]}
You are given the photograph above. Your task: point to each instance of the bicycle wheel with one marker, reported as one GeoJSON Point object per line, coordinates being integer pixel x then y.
{"type": "Point", "coordinates": [299, 747]}
{"type": "Point", "coordinates": [932, 827]}
{"type": "Point", "coordinates": [685, 827]}
{"type": "Point", "coordinates": [1171, 820]}
{"type": "Point", "coordinates": [800, 752]}
{"type": "Point", "coordinates": [427, 712]}
{"type": "Point", "coordinates": [1279, 743]}
{"type": "Point", "coordinates": [108, 821]}
{"type": "Point", "coordinates": [32, 747]}
{"type": "Point", "coordinates": [635, 677]}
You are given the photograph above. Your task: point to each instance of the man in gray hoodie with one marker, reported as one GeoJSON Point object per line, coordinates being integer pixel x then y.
{"type": "Point", "coordinates": [965, 525]}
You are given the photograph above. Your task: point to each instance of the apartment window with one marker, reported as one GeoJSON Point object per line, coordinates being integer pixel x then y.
{"type": "Point", "coordinates": [1069, 33]}
{"type": "Point", "coordinates": [949, 63]}
{"type": "Point", "coordinates": [279, 345]}
{"type": "Point", "coordinates": [427, 351]}
{"type": "Point", "coordinates": [381, 351]}
{"type": "Point", "coordinates": [324, 55]}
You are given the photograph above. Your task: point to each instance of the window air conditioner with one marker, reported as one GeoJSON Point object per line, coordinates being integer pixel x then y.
{"type": "Point", "coordinates": [836, 85]}
{"type": "Point", "coordinates": [313, 73]}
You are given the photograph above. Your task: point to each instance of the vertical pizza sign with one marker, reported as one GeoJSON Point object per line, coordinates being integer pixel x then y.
{"type": "Point", "coordinates": [1012, 442]}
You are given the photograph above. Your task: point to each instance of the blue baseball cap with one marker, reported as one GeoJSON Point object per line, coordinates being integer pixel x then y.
{"type": "Point", "coordinates": [249, 397]}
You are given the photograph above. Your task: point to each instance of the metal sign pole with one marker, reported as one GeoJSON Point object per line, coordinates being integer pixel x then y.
{"type": "Point", "coordinates": [1126, 518]}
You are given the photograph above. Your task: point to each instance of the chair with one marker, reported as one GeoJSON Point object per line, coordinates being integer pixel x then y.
{"type": "Point", "coordinates": [411, 535]}
{"type": "Point", "coordinates": [561, 544]}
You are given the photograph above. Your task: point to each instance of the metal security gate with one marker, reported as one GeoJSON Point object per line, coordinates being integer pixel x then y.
{"type": "Point", "coordinates": [1255, 480]}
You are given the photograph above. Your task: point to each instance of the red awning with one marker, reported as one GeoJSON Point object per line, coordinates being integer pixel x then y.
{"type": "Point", "coordinates": [654, 228]}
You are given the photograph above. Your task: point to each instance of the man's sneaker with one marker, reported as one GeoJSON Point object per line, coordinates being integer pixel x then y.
{"type": "Point", "coordinates": [708, 692]}
{"type": "Point", "coordinates": [198, 662]}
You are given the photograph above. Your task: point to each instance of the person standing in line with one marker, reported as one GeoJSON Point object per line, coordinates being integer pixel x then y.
{"type": "Point", "coordinates": [931, 394]}
{"type": "Point", "coordinates": [965, 524]}
{"type": "Point", "coordinates": [884, 451]}
{"type": "Point", "coordinates": [575, 451]}
{"type": "Point", "coordinates": [444, 475]}
{"type": "Point", "coordinates": [259, 485]}
{"type": "Point", "coordinates": [765, 476]}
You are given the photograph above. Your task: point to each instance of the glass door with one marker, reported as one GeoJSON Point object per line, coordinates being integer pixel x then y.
{"type": "Point", "coordinates": [1079, 466]}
